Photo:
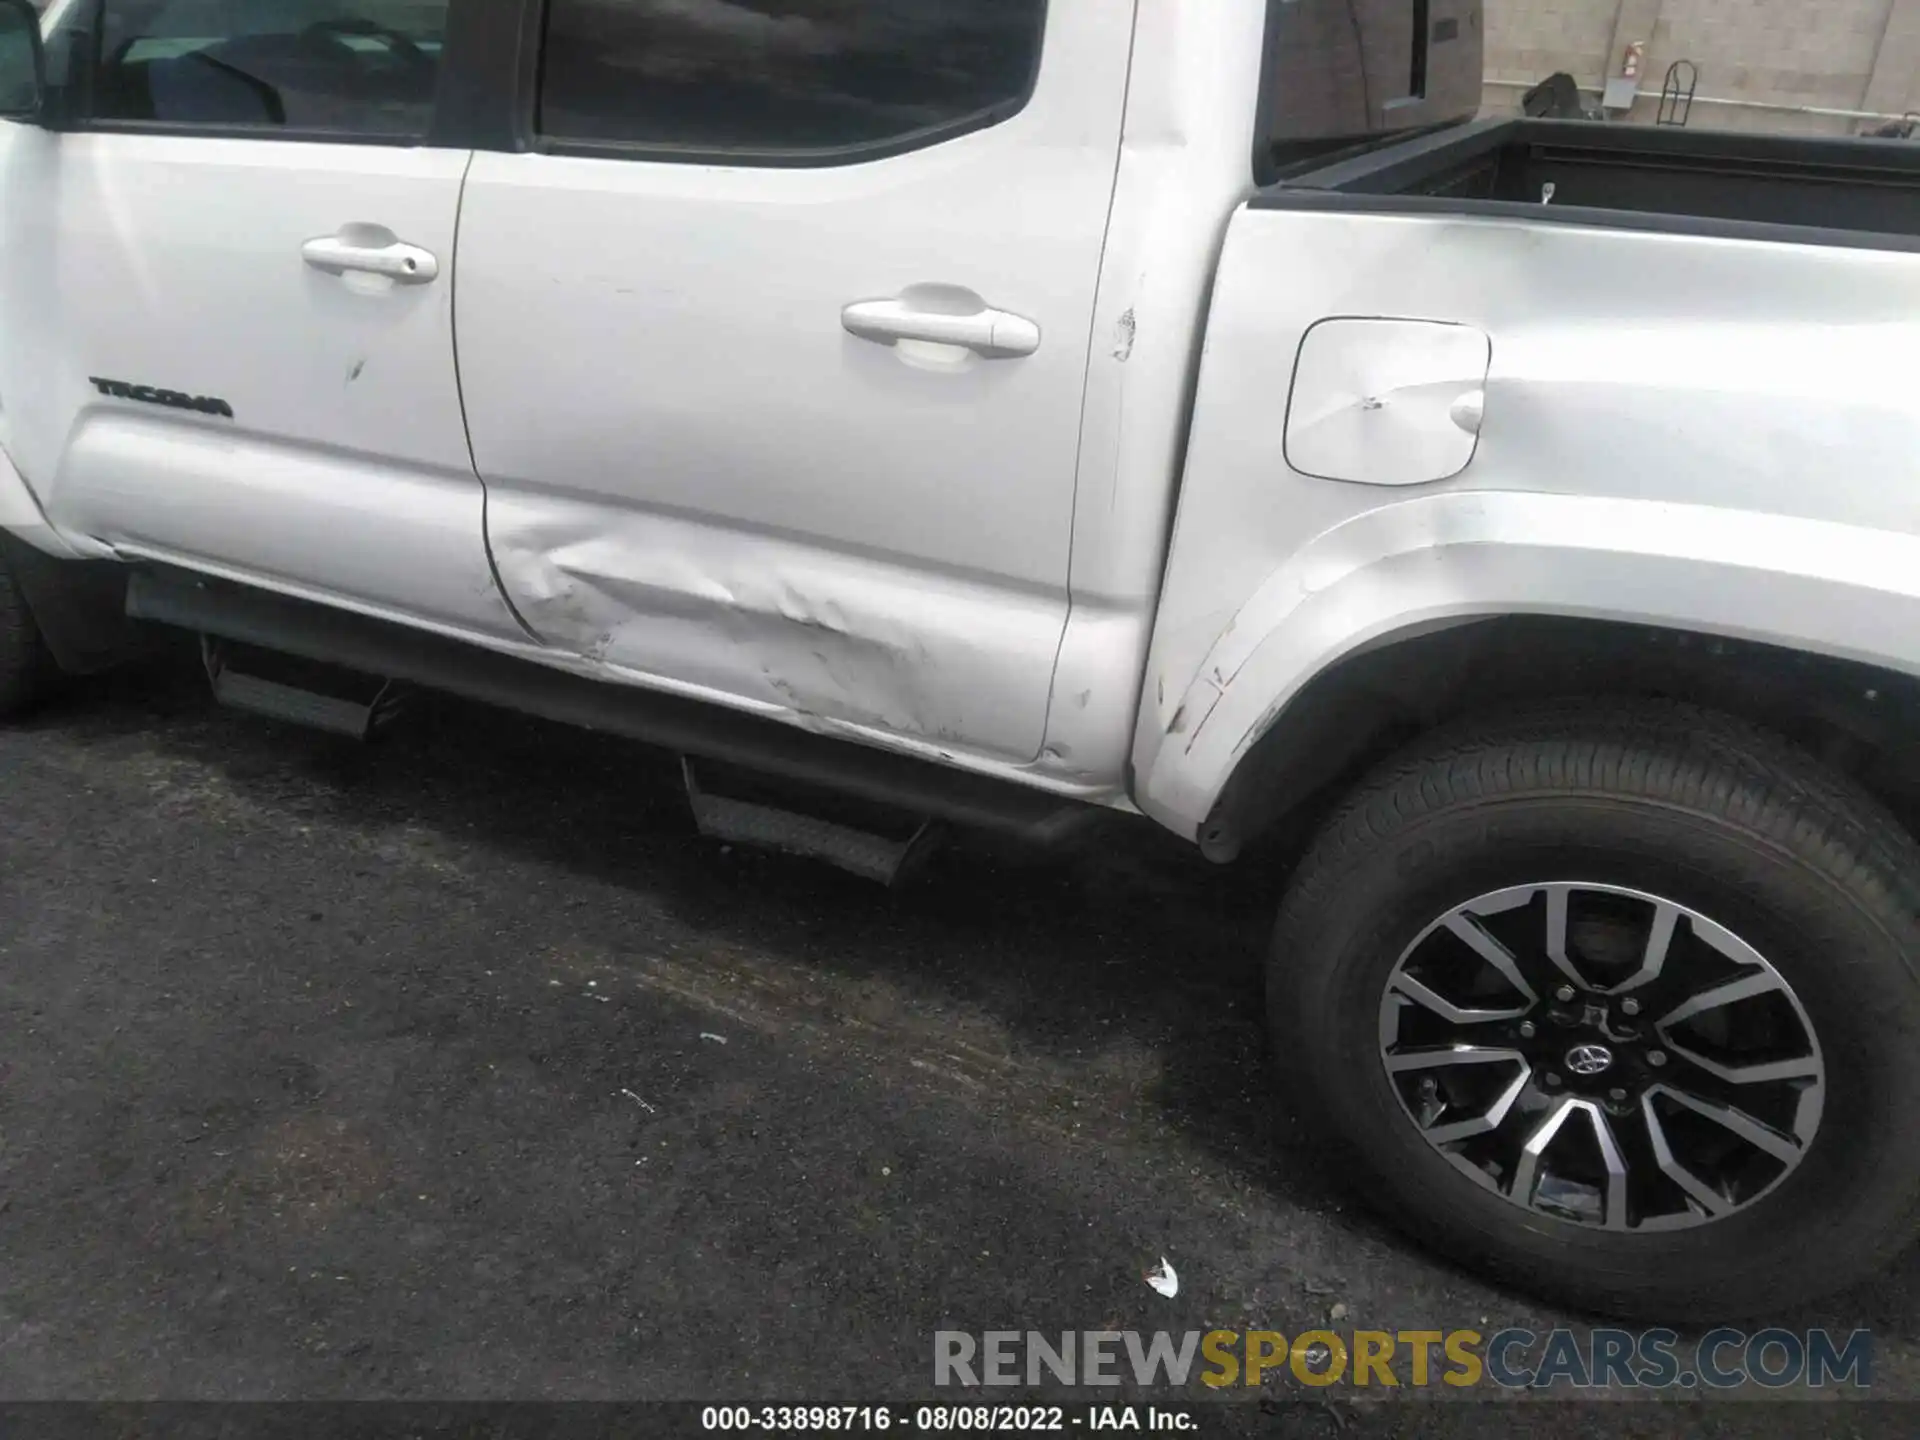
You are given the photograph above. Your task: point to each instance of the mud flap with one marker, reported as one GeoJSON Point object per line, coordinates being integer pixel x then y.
{"type": "Point", "coordinates": [80, 606]}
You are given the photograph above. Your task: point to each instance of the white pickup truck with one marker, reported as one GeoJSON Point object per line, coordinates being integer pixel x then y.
{"type": "Point", "coordinates": [1051, 414]}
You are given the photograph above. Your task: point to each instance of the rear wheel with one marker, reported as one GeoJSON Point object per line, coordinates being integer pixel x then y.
{"type": "Point", "coordinates": [26, 667]}
{"type": "Point", "coordinates": [1619, 1004]}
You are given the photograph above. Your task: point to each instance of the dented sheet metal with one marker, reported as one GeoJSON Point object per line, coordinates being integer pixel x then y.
{"type": "Point", "coordinates": [780, 622]}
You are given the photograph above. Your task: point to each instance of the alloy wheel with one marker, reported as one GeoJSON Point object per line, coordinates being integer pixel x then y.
{"type": "Point", "coordinates": [1602, 1056]}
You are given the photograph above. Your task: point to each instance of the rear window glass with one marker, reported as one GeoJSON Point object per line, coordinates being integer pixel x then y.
{"type": "Point", "coordinates": [1341, 74]}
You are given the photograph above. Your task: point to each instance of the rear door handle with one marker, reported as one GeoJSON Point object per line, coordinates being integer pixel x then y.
{"type": "Point", "coordinates": [993, 333]}
{"type": "Point", "coordinates": [398, 261]}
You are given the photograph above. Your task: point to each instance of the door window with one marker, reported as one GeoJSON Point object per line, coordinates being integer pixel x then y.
{"type": "Point", "coordinates": [360, 68]}
{"type": "Point", "coordinates": [799, 81]}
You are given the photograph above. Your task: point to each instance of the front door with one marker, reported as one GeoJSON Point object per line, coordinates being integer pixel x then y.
{"type": "Point", "coordinates": [774, 350]}
{"type": "Point", "coordinates": [226, 319]}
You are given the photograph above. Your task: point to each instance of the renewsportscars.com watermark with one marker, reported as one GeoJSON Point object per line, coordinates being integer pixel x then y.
{"type": "Point", "coordinates": [1510, 1359]}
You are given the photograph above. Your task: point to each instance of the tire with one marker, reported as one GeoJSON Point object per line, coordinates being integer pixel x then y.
{"type": "Point", "coordinates": [26, 667]}
{"type": "Point", "coordinates": [1637, 804]}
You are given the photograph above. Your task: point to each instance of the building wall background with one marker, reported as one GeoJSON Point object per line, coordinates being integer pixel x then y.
{"type": "Point", "coordinates": [1770, 55]}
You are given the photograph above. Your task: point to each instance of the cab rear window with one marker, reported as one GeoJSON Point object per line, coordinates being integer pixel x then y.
{"type": "Point", "coordinates": [1341, 75]}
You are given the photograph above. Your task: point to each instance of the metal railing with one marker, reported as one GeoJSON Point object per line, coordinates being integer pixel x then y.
{"type": "Point", "coordinates": [1774, 107]}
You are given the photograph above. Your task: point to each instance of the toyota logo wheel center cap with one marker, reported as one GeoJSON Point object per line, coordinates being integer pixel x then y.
{"type": "Point", "coordinates": [1589, 1060]}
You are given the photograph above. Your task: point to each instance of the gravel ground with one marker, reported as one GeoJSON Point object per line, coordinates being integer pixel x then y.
{"type": "Point", "coordinates": [456, 1066]}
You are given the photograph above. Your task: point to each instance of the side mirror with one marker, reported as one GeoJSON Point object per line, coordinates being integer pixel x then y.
{"type": "Point", "coordinates": [23, 63]}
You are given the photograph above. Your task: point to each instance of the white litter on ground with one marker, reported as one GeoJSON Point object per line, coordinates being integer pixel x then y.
{"type": "Point", "coordinates": [1165, 1280]}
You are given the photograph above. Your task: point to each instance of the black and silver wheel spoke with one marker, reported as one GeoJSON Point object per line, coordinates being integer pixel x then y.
{"type": "Point", "coordinates": [1441, 1109]}
{"type": "Point", "coordinates": [1602, 1056]}
{"type": "Point", "coordinates": [1787, 1107]}
{"type": "Point", "coordinates": [1525, 968]}
{"type": "Point", "coordinates": [1749, 1070]}
{"type": "Point", "coordinates": [1535, 1170]}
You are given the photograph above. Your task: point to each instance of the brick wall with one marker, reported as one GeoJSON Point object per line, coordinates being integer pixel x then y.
{"type": "Point", "coordinates": [1834, 54]}
{"type": "Point", "coordinates": [1531, 39]}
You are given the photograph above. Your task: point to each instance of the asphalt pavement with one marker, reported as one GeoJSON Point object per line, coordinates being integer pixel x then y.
{"type": "Point", "coordinates": [458, 1066]}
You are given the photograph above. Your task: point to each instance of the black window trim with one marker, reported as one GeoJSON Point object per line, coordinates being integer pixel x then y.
{"type": "Point", "coordinates": [283, 134]}
{"type": "Point", "coordinates": [1265, 102]}
{"type": "Point", "coordinates": [1265, 170]}
{"type": "Point", "coordinates": [813, 158]}
{"type": "Point", "coordinates": [491, 69]}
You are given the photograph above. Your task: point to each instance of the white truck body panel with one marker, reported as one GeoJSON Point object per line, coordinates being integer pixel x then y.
{"type": "Point", "coordinates": [1653, 450]}
{"type": "Point", "coordinates": [696, 474]}
{"type": "Point", "coordinates": [1185, 163]}
{"type": "Point", "coordinates": [345, 470]}
{"type": "Point", "coordinates": [20, 514]}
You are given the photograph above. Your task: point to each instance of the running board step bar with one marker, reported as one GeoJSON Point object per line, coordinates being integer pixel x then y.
{"type": "Point", "coordinates": [293, 700]}
{"type": "Point", "coordinates": [252, 618]}
{"type": "Point", "coordinates": [860, 852]}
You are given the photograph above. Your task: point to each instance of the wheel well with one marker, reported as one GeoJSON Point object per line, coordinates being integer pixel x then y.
{"type": "Point", "coordinates": [1861, 719]}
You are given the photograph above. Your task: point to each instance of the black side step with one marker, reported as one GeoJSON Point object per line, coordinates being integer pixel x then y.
{"type": "Point", "coordinates": [861, 852]}
{"type": "Point", "coordinates": [377, 647]}
{"type": "Point", "coordinates": [297, 700]}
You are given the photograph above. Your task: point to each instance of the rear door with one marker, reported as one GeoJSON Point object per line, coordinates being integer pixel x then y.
{"type": "Point", "coordinates": [774, 349]}
{"type": "Point", "coordinates": [226, 299]}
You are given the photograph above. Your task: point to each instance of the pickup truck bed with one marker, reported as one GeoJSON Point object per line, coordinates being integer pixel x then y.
{"type": "Point", "coordinates": [1848, 191]}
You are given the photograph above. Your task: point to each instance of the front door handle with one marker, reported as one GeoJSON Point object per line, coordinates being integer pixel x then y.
{"type": "Point", "coordinates": [400, 262]}
{"type": "Point", "coordinates": [993, 333]}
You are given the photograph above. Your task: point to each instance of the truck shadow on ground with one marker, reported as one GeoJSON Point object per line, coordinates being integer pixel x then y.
{"type": "Point", "coordinates": [1141, 951]}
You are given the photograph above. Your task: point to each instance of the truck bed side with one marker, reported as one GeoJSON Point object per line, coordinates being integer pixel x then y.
{"type": "Point", "coordinates": [1847, 192]}
{"type": "Point", "coordinates": [1698, 420]}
